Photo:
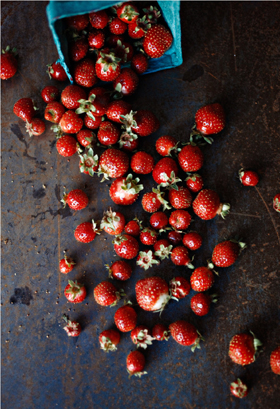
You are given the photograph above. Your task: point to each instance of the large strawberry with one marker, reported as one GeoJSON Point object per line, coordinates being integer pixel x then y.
{"type": "Point", "coordinates": [243, 348]}
{"type": "Point", "coordinates": [8, 63]}
{"type": "Point", "coordinates": [152, 294]}
{"type": "Point", "coordinates": [125, 318]}
{"type": "Point", "coordinates": [125, 190]}
{"type": "Point", "coordinates": [135, 364]}
{"type": "Point", "coordinates": [207, 205]}
{"type": "Point", "coordinates": [107, 66]}
{"type": "Point", "coordinates": [185, 334]}
{"type": "Point", "coordinates": [106, 294]}
{"type": "Point", "coordinates": [126, 246]}
{"type": "Point", "coordinates": [226, 252]}
{"type": "Point", "coordinates": [157, 41]}
{"type": "Point", "coordinates": [71, 95]}
{"type": "Point", "coordinates": [190, 158]}
{"type": "Point", "coordinates": [24, 109]}
{"type": "Point", "coordinates": [113, 163]}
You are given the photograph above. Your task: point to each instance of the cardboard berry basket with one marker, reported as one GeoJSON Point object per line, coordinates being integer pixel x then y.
{"type": "Point", "coordinates": [58, 10]}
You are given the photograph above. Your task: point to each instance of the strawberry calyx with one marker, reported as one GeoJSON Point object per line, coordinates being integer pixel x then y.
{"type": "Point", "coordinates": [196, 137]}
{"type": "Point", "coordinates": [257, 344]}
{"type": "Point", "coordinates": [164, 251]}
{"type": "Point", "coordinates": [160, 196]}
{"type": "Point", "coordinates": [152, 14]}
{"type": "Point", "coordinates": [29, 128]}
{"type": "Point", "coordinates": [107, 345]}
{"type": "Point", "coordinates": [8, 50]}
{"type": "Point", "coordinates": [144, 339]}
{"type": "Point", "coordinates": [86, 106]}
{"type": "Point", "coordinates": [68, 261]}
{"type": "Point", "coordinates": [211, 267]}
{"type": "Point", "coordinates": [196, 344]}
{"type": "Point", "coordinates": [119, 239]}
{"type": "Point", "coordinates": [74, 288]}
{"type": "Point", "coordinates": [223, 210]}
{"type": "Point", "coordinates": [128, 13]}
{"type": "Point", "coordinates": [119, 295]}
{"type": "Point", "coordinates": [173, 288]}
{"type": "Point", "coordinates": [146, 259]}
{"type": "Point", "coordinates": [109, 219]}
{"type": "Point", "coordinates": [97, 230]}
{"type": "Point", "coordinates": [143, 24]}
{"type": "Point", "coordinates": [138, 374]}
{"type": "Point", "coordinates": [128, 121]}
{"type": "Point", "coordinates": [71, 326]}
{"type": "Point", "coordinates": [239, 389]}
{"type": "Point", "coordinates": [171, 181]}
{"type": "Point", "coordinates": [108, 61]}
{"type": "Point", "coordinates": [88, 161]}
{"type": "Point", "coordinates": [131, 185]}
{"type": "Point", "coordinates": [127, 137]}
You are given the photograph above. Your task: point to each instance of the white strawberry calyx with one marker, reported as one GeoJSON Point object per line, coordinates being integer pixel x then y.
{"type": "Point", "coordinates": [211, 267]}
{"type": "Point", "coordinates": [71, 326]}
{"type": "Point", "coordinates": [160, 196]}
{"type": "Point", "coordinates": [197, 342]}
{"type": "Point", "coordinates": [88, 161]}
{"type": "Point", "coordinates": [96, 229]}
{"type": "Point", "coordinates": [138, 374]}
{"type": "Point", "coordinates": [131, 186]}
{"type": "Point", "coordinates": [64, 198]}
{"type": "Point", "coordinates": [29, 128]}
{"type": "Point", "coordinates": [146, 259]}
{"type": "Point", "coordinates": [163, 252]}
{"type": "Point", "coordinates": [257, 344]}
{"type": "Point", "coordinates": [170, 181]}
{"type": "Point", "coordinates": [239, 388]}
{"type": "Point", "coordinates": [143, 339]}
{"type": "Point", "coordinates": [128, 121]}
{"type": "Point", "coordinates": [109, 219]}
{"type": "Point", "coordinates": [126, 137]}
{"type": "Point", "coordinates": [107, 345]}
{"type": "Point", "coordinates": [223, 210]}
{"type": "Point", "coordinates": [108, 61]}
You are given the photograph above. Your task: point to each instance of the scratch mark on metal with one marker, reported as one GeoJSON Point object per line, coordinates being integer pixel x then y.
{"type": "Point", "coordinates": [247, 215]}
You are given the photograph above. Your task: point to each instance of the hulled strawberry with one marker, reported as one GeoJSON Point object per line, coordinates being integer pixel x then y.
{"type": "Point", "coordinates": [180, 198]}
{"type": "Point", "coordinates": [165, 172]}
{"type": "Point", "coordinates": [248, 177]}
{"type": "Point", "coordinates": [113, 222]}
{"type": "Point", "coordinates": [66, 264]}
{"type": "Point", "coordinates": [152, 294]}
{"type": "Point", "coordinates": [107, 66]}
{"type": "Point", "coordinates": [180, 257]}
{"type": "Point", "coordinates": [243, 348]}
{"type": "Point", "coordinates": [179, 287]}
{"type": "Point", "coordinates": [86, 137]}
{"type": "Point", "coordinates": [190, 158]}
{"type": "Point", "coordinates": [24, 109]}
{"type": "Point", "coordinates": [162, 249]}
{"type": "Point", "coordinates": [66, 145]}
{"type": "Point", "coordinates": [113, 163]}
{"type": "Point", "coordinates": [226, 252]}
{"type": "Point", "coordinates": [135, 364]}
{"type": "Point", "coordinates": [185, 334]}
{"type": "Point", "coordinates": [86, 232]}
{"type": "Point", "coordinates": [71, 95]}
{"type": "Point", "coordinates": [202, 279]}
{"type": "Point", "coordinates": [75, 292]}
{"type": "Point", "coordinates": [117, 109]}
{"type": "Point", "coordinates": [152, 201]}
{"type": "Point", "coordinates": [157, 41]}
{"type": "Point", "coordinates": [275, 361]}
{"type": "Point", "coordinates": [109, 339]}
{"type": "Point", "coordinates": [142, 163]}
{"type": "Point", "coordinates": [57, 72]}
{"type": "Point", "coordinates": [72, 328]}
{"type": "Point", "coordinates": [88, 162]}
{"type": "Point", "coordinates": [120, 270]}
{"type": "Point", "coordinates": [126, 246]}
{"type": "Point", "coordinates": [194, 182]}
{"type": "Point", "coordinates": [210, 119]}
{"type": "Point", "coordinates": [54, 111]}
{"type": "Point", "coordinates": [141, 336]}
{"type": "Point", "coordinates": [76, 199]}
{"type": "Point", "coordinates": [207, 205]}
{"type": "Point", "coordinates": [8, 63]}
{"type": "Point", "coordinates": [160, 332]}
{"type": "Point", "coordinates": [126, 82]}
{"type": "Point", "coordinates": [180, 219]}
{"type": "Point", "coordinates": [159, 220]}
{"type": "Point", "coordinates": [139, 63]}
{"type": "Point", "coordinates": [201, 302]}
{"type": "Point", "coordinates": [84, 73]}
{"type": "Point", "coordinates": [166, 144]}
{"type": "Point", "coordinates": [35, 127]}
{"type": "Point", "coordinates": [146, 259]}
{"type": "Point", "coordinates": [128, 12]}
{"type": "Point", "coordinates": [99, 19]}
{"type": "Point", "coordinates": [106, 294]}
{"type": "Point", "coordinates": [50, 93]}
{"type": "Point", "coordinates": [239, 389]}
{"type": "Point", "coordinates": [117, 26]}
{"type": "Point", "coordinates": [125, 190]}
{"type": "Point", "coordinates": [125, 318]}
{"type": "Point", "coordinates": [276, 202]}
{"type": "Point", "coordinates": [192, 240]}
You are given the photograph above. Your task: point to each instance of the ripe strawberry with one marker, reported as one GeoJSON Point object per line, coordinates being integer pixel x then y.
{"type": "Point", "coordinates": [70, 122]}
{"type": "Point", "coordinates": [96, 39]}
{"type": "Point", "coordinates": [152, 294]}
{"type": "Point", "coordinates": [135, 364]}
{"type": "Point", "coordinates": [165, 145]}
{"type": "Point", "coordinates": [207, 205]}
{"type": "Point", "coordinates": [24, 109]}
{"type": "Point", "coordinates": [141, 336]}
{"type": "Point", "coordinates": [57, 72]}
{"type": "Point", "coordinates": [125, 318]}
{"type": "Point", "coordinates": [98, 101]}
{"type": "Point", "coordinates": [71, 95]}
{"type": "Point", "coordinates": [66, 264]}
{"type": "Point", "coordinates": [275, 361]}
{"type": "Point", "coordinates": [143, 122]}
{"type": "Point", "coordinates": [108, 339]}
{"type": "Point", "coordinates": [126, 82]}
{"type": "Point", "coordinates": [86, 137]}
{"type": "Point", "coordinates": [106, 294]}
{"type": "Point", "coordinates": [120, 270]}
{"type": "Point", "coordinates": [146, 259]}
{"type": "Point", "coordinates": [125, 190]}
{"type": "Point", "coordinates": [180, 257]}
{"type": "Point", "coordinates": [162, 249]}
{"type": "Point", "coordinates": [201, 302]}
{"type": "Point", "coordinates": [165, 172]}
{"type": "Point", "coordinates": [138, 28]}
{"type": "Point", "coordinates": [35, 127]}
{"type": "Point", "coordinates": [112, 40]}
{"type": "Point", "coordinates": [185, 334]}
{"type": "Point", "coordinates": [194, 182]}
{"type": "Point", "coordinates": [50, 93]}
{"type": "Point", "coordinates": [78, 22]}
{"type": "Point", "coordinates": [202, 279]}
{"type": "Point", "coordinates": [276, 202]}
{"type": "Point", "coordinates": [117, 109]}
{"type": "Point", "coordinates": [226, 252]}
{"type": "Point", "coordinates": [192, 240]}
{"type": "Point", "coordinates": [152, 201]}
{"type": "Point", "coordinates": [66, 145]}
{"type": "Point", "coordinates": [243, 348]}
{"type": "Point", "coordinates": [107, 66]}
{"type": "Point", "coordinates": [128, 142]}
{"type": "Point", "coordinates": [148, 236]}
{"type": "Point", "coordinates": [117, 26]}
{"type": "Point", "coordinates": [99, 19]}
{"type": "Point", "coordinates": [75, 292]}
{"type": "Point", "coordinates": [142, 163]}
{"type": "Point", "coordinates": [152, 14]}
{"type": "Point", "coordinates": [128, 12]}
{"type": "Point", "coordinates": [179, 287]}
{"type": "Point", "coordinates": [124, 50]}
{"type": "Point", "coordinates": [88, 162]}
{"type": "Point", "coordinates": [139, 63]}
{"type": "Point", "coordinates": [113, 163]}
{"type": "Point", "coordinates": [210, 119]}
{"type": "Point", "coordinates": [133, 227]}
{"type": "Point", "coordinates": [113, 222]}
{"type": "Point", "coordinates": [160, 332]}
{"type": "Point", "coordinates": [180, 198]}
{"type": "Point", "coordinates": [86, 232]}
{"type": "Point", "coordinates": [126, 246]}
{"type": "Point", "coordinates": [72, 328]}
{"type": "Point", "coordinates": [180, 219]}
{"type": "Point", "coordinates": [190, 158]}
{"type": "Point", "coordinates": [84, 73]}
{"type": "Point", "coordinates": [54, 111]}
{"type": "Point", "coordinates": [78, 48]}
{"type": "Point", "coordinates": [174, 237]}
{"type": "Point", "coordinates": [8, 63]}
{"type": "Point", "coordinates": [239, 389]}
{"type": "Point", "coordinates": [76, 199]}
{"type": "Point", "coordinates": [248, 177]}
{"type": "Point", "coordinates": [108, 133]}
{"type": "Point", "coordinates": [159, 220]}
{"type": "Point", "coordinates": [92, 122]}
{"type": "Point", "coordinates": [157, 41]}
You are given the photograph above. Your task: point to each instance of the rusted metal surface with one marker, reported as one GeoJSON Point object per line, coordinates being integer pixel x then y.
{"type": "Point", "coordinates": [232, 55]}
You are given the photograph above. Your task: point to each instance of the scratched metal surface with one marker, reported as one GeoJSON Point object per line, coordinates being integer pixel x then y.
{"type": "Point", "coordinates": [232, 55]}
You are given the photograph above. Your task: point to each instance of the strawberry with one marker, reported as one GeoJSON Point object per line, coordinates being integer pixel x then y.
{"type": "Point", "coordinates": [139, 63]}
{"type": "Point", "coordinates": [142, 163]}
{"type": "Point", "coordinates": [76, 199]}
{"type": "Point", "coordinates": [72, 328]}
{"type": "Point", "coordinates": [180, 198]}
{"type": "Point", "coordinates": [109, 339]}
{"type": "Point", "coordinates": [86, 232]}
{"type": "Point", "coordinates": [97, 103]}
{"type": "Point", "coordinates": [112, 40]}
{"type": "Point", "coordinates": [135, 364]}
{"type": "Point", "coordinates": [239, 389]}
{"type": "Point", "coordinates": [243, 348]}
{"type": "Point", "coordinates": [125, 190]}
{"type": "Point", "coordinates": [190, 158]}
{"type": "Point", "coordinates": [86, 137]}
{"type": "Point", "coordinates": [194, 182]}
{"type": "Point", "coordinates": [248, 177]}
{"type": "Point", "coordinates": [75, 292]}
{"type": "Point", "coordinates": [192, 240]}
{"type": "Point", "coordinates": [8, 62]}
{"type": "Point", "coordinates": [117, 109]}
{"type": "Point", "coordinates": [88, 162]}
{"type": "Point", "coordinates": [226, 252]}
{"type": "Point", "coordinates": [84, 73]}
{"type": "Point", "coordinates": [185, 334]}
{"type": "Point", "coordinates": [138, 28]}
{"type": "Point", "coordinates": [50, 93]}
{"type": "Point", "coordinates": [126, 82]}
{"type": "Point", "coordinates": [99, 19]}
{"type": "Point", "coordinates": [70, 122]}
{"type": "Point", "coordinates": [179, 287]}
{"type": "Point", "coordinates": [57, 72]}
{"type": "Point", "coordinates": [276, 202]}
{"type": "Point", "coordinates": [113, 163]}
{"type": "Point", "coordinates": [210, 119]}
{"type": "Point", "coordinates": [125, 318]}
{"type": "Point", "coordinates": [54, 111]}
{"type": "Point", "coordinates": [78, 22]}
{"type": "Point", "coordinates": [160, 332]}
{"type": "Point", "coordinates": [162, 248]}
{"type": "Point", "coordinates": [275, 361]}
{"type": "Point", "coordinates": [202, 279]}
{"type": "Point", "coordinates": [174, 237]}
{"type": "Point", "coordinates": [133, 227]}
{"type": "Point", "coordinates": [200, 303]}
{"type": "Point", "coordinates": [24, 109]}
{"type": "Point", "coordinates": [152, 201]}
{"type": "Point", "coordinates": [165, 172]}
{"type": "Point", "coordinates": [165, 145]}
{"type": "Point", "coordinates": [125, 51]}
{"type": "Point", "coordinates": [152, 14]}
{"type": "Point", "coordinates": [71, 95]}
{"type": "Point", "coordinates": [107, 66]}
{"type": "Point", "coordinates": [66, 264]}
{"type": "Point", "coordinates": [113, 222]}
{"type": "Point", "coordinates": [128, 142]}
{"type": "Point", "coordinates": [66, 145]}
{"type": "Point", "coordinates": [117, 26]}
{"type": "Point", "coordinates": [141, 336]}
{"type": "Point", "coordinates": [106, 294]}
{"type": "Point", "coordinates": [92, 122]}
{"type": "Point", "coordinates": [159, 220]}
{"type": "Point", "coordinates": [128, 12]}
{"type": "Point", "coordinates": [143, 122]}
{"type": "Point", "coordinates": [120, 270]}
{"type": "Point", "coordinates": [78, 48]}
{"type": "Point", "coordinates": [207, 205]}
{"type": "Point", "coordinates": [152, 294]}
{"type": "Point", "coordinates": [180, 219]}
{"type": "Point", "coordinates": [157, 41]}
{"type": "Point", "coordinates": [35, 127]}
{"type": "Point", "coordinates": [126, 246]}
{"type": "Point", "coordinates": [148, 236]}
{"type": "Point", "coordinates": [96, 39]}
{"type": "Point", "coordinates": [180, 257]}
{"type": "Point", "coordinates": [108, 133]}
{"type": "Point", "coordinates": [146, 259]}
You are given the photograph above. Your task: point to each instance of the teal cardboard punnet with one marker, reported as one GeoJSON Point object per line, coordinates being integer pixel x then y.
{"type": "Point", "coordinates": [57, 10]}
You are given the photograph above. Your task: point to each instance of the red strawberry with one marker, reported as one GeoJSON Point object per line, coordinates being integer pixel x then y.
{"type": "Point", "coordinates": [128, 142]}
{"type": "Point", "coordinates": [113, 222]}
{"type": "Point", "coordinates": [8, 63]}
{"type": "Point", "coordinates": [165, 172]}
{"type": "Point", "coordinates": [192, 240]}
{"type": "Point", "coordinates": [50, 93]}
{"type": "Point", "coordinates": [86, 232]}
{"type": "Point", "coordinates": [113, 39]}
{"type": "Point", "coordinates": [66, 145]}
{"type": "Point", "coordinates": [165, 145]}
{"type": "Point", "coordinates": [202, 279]}
{"type": "Point", "coordinates": [54, 111]}
{"type": "Point", "coordinates": [276, 202]}
{"type": "Point", "coordinates": [120, 270]}
{"type": "Point", "coordinates": [124, 50]}
{"type": "Point", "coordinates": [127, 12]}
{"type": "Point", "coordinates": [117, 109]}
{"type": "Point", "coordinates": [142, 163]}
{"type": "Point", "coordinates": [133, 227]}
{"type": "Point", "coordinates": [139, 63]}
{"type": "Point", "coordinates": [152, 201]}
{"type": "Point", "coordinates": [162, 248]}
{"type": "Point", "coordinates": [138, 28]}
{"type": "Point", "coordinates": [146, 259]}
{"type": "Point", "coordinates": [201, 302]}
{"type": "Point", "coordinates": [275, 361]}
{"type": "Point", "coordinates": [108, 133]}
{"type": "Point", "coordinates": [78, 48]}
{"type": "Point", "coordinates": [210, 119]}
{"type": "Point", "coordinates": [180, 219]}
{"type": "Point", "coordinates": [157, 41]}
{"type": "Point", "coordinates": [190, 158]}
{"type": "Point", "coordinates": [24, 109]}
{"type": "Point", "coordinates": [180, 257]}
{"type": "Point", "coordinates": [86, 137]}
{"type": "Point", "coordinates": [174, 237]}
{"type": "Point", "coordinates": [99, 19]}
{"type": "Point", "coordinates": [66, 264]}
{"type": "Point", "coordinates": [159, 220]}
{"type": "Point", "coordinates": [35, 127]}
{"type": "Point", "coordinates": [100, 102]}
{"type": "Point", "coordinates": [117, 26]}
{"type": "Point", "coordinates": [75, 292]}
{"type": "Point", "coordinates": [126, 82]}
{"type": "Point", "coordinates": [160, 332]}
{"type": "Point", "coordinates": [135, 364]}
{"type": "Point", "coordinates": [108, 339]}
{"type": "Point", "coordinates": [125, 318]}
{"type": "Point", "coordinates": [194, 182]}
{"type": "Point", "coordinates": [84, 73]}
{"type": "Point", "coordinates": [143, 122]}
{"type": "Point", "coordinates": [152, 294]}
{"type": "Point", "coordinates": [180, 198]}
{"type": "Point", "coordinates": [179, 287]}
{"type": "Point", "coordinates": [239, 389]}
{"type": "Point", "coordinates": [126, 246]}
{"type": "Point", "coordinates": [226, 253]}
{"type": "Point", "coordinates": [78, 22]}
{"type": "Point", "coordinates": [243, 348]}
{"type": "Point", "coordinates": [76, 199]}
{"type": "Point", "coordinates": [71, 95]}
{"type": "Point", "coordinates": [185, 334]}
{"type": "Point", "coordinates": [141, 336]}
{"type": "Point", "coordinates": [92, 122]}
{"type": "Point", "coordinates": [148, 236]}
{"type": "Point", "coordinates": [57, 72]}
{"type": "Point", "coordinates": [72, 328]}
{"type": "Point", "coordinates": [107, 66]}
{"type": "Point", "coordinates": [207, 205]}
{"type": "Point", "coordinates": [113, 163]}
{"type": "Point", "coordinates": [106, 294]}
{"type": "Point", "coordinates": [88, 162]}
{"type": "Point", "coordinates": [96, 39]}
{"type": "Point", "coordinates": [70, 122]}
{"type": "Point", "coordinates": [125, 190]}
{"type": "Point", "coordinates": [248, 177]}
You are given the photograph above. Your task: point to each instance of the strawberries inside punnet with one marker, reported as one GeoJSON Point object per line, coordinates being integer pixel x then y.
{"type": "Point", "coordinates": [138, 28]}
{"type": "Point", "coordinates": [276, 202]}
{"type": "Point", "coordinates": [243, 348]}
{"type": "Point", "coordinates": [135, 364]}
{"type": "Point", "coordinates": [78, 48]}
{"type": "Point", "coordinates": [106, 294]}
{"type": "Point", "coordinates": [210, 119]}
{"type": "Point", "coordinates": [226, 253]}
{"type": "Point", "coordinates": [78, 22]}
{"type": "Point", "coordinates": [66, 264]}
{"type": "Point", "coordinates": [108, 66]}
{"type": "Point", "coordinates": [126, 246]}
{"type": "Point", "coordinates": [192, 240]}
{"type": "Point", "coordinates": [99, 19]}
{"type": "Point", "coordinates": [72, 328]}
{"type": "Point", "coordinates": [8, 63]}
{"type": "Point", "coordinates": [109, 339]}
{"type": "Point", "coordinates": [185, 334]}
{"type": "Point", "coordinates": [207, 205]}
{"type": "Point", "coordinates": [117, 26]}
{"type": "Point", "coordinates": [75, 292]}
{"type": "Point", "coordinates": [57, 72]}
{"type": "Point", "coordinates": [125, 318]}
{"type": "Point", "coordinates": [24, 109]}
{"type": "Point", "coordinates": [35, 127]}
{"type": "Point", "coordinates": [113, 222]}
{"type": "Point", "coordinates": [139, 63]}
{"type": "Point", "coordinates": [84, 73]}
{"type": "Point", "coordinates": [248, 177]}
{"type": "Point", "coordinates": [141, 336]}
{"type": "Point", "coordinates": [50, 93]}
{"type": "Point", "coordinates": [202, 279]}
{"type": "Point", "coordinates": [96, 39]}
{"type": "Point", "coordinates": [76, 199]}
{"type": "Point", "coordinates": [239, 389]}
{"type": "Point", "coordinates": [66, 145]}
{"type": "Point", "coordinates": [275, 361]}
{"type": "Point", "coordinates": [127, 12]}
{"type": "Point", "coordinates": [152, 294]}
{"type": "Point", "coordinates": [86, 232]}
{"type": "Point", "coordinates": [160, 332]}
{"type": "Point", "coordinates": [125, 190]}
{"type": "Point", "coordinates": [120, 270]}
{"type": "Point", "coordinates": [190, 158]}
{"type": "Point", "coordinates": [157, 41]}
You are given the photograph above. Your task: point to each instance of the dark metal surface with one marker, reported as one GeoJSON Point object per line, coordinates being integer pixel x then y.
{"type": "Point", "coordinates": [232, 55]}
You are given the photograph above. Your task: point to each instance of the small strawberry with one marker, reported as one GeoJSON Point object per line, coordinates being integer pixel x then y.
{"type": "Point", "coordinates": [128, 12]}
{"type": "Point", "coordinates": [66, 145]}
{"type": "Point", "coordinates": [133, 227]}
{"type": "Point", "coordinates": [146, 259]}
{"type": "Point", "coordinates": [239, 389]}
{"type": "Point", "coordinates": [75, 292]}
{"type": "Point", "coordinates": [162, 249]}
{"type": "Point", "coordinates": [226, 252]}
{"type": "Point", "coordinates": [86, 232]}
{"type": "Point", "coordinates": [66, 264]}
{"type": "Point", "coordinates": [117, 109]}
{"type": "Point", "coordinates": [152, 294]}
{"type": "Point", "coordinates": [112, 40]}
{"type": "Point", "coordinates": [117, 26]}
{"type": "Point", "coordinates": [135, 364]}
{"type": "Point", "coordinates": [201, 302]}
{"type": "Point", "coordinates": [180, 257]}
{"type": "Point", "coordinates": [126, 82]}
{"type": "Point", "coordinates": [194, 182]}
{"type": "Point", "coordinates": [179, 287]}
{"type": "Point", "coordinates": [78, 48]}
{"type": "Point", "coordinates": [160, 332]}
{"type": "Point", "coordinates": [159, 220]}
{"type": "Point", "coordinates": [8, 63]}
{"type": "Point", "coordinates": [276, 202]}
{"type": "Point", "coordinates": [71, 95]}
{"type": "Point", "coordinates": [210, 119]}
{"type": "Point", "coordinates": [128, 142]}
{"type": "Point", "coordinates": [138, 28]}
{"type": "Point", "coordinates": [109, 339]}
{"type": "Point", "coordinates": [113, 163]}
{"type": "Point", "coordinates": [76, 199]}
{"type": "Point", "coordinates": [143, 122]}
{"type": "Point", "coordinates": [192, 240]}
{"type": "Point", "coordinates": [108, 133]}
{"type": "Point", "coordinates": [107, 66]}
{"type": "Point", "coordinates": [185, 334]}
{"type": "Point", "coordinates": [157, 41]}
{"type": "Point", "coordinates": [96, 39]}
{"type": "Point", "coordinates": [142, 163]}
{"type": "Point", "coordinates": [190, 158]}
{"type": "Point", "coordinates": [207, 205]}
{"type": "Point", "coordinates": [165, 172]}
{"type": "Point", "coordinates": [70, 122]}
{"type": "Point", "coordinates": [126, 246]}
{"type": "Point", "coordinates": [54, 111]}
{"type": "Point", "coordinates": [152, 201]}
{"type": "Point", "coordinates": [141, 336]}
{"type": "Point", "coordinates": [72, 328]}
{"type": "Point", "coordinates": [84, 73]}
{"type": "Point", "coordinates": [57, 72]}
{"type": "Point", "coordinates": [24, 109]}
{"type": "Point", "coordinates": [139, 63]}
{"type": "Point", "coordinates": [202, 279]}
{"type": "Point", "coordinates": [174, 237]}
{"type": "Point", "coordinates": [275, 361]}
{"type": "Point", "coordinates": [125, 318]}
{"type": "Point", "coordinates": [243, 348]}
{"type": "Point", "coordinates": [125, 190]}
{"type": "Point", "coordinates": [36, 127]}
{"type": "Point", "coordinates": [92, 122]}
{"type": "Point", "coordinates": [148, 236]}
{"type": "Point", "coordinates": [106, 294]}
{"type": "Point", "coordinates": [180, 198]}
{"type": "Point", "coordinates": [86, 137]}
{"type": "Point", "coordinates": [120, 270]}
{"type": "Point", "coordinates": [248, 177]}
{"type": "Point", "coordinates": [88, 162]}
{"type": "Point", "coordinates": [99, 19]}
{"type": "Point", "coordinates": [50, 93]}
{"type": "Point", "coordinates": [113, 222]}
{"type": "Point", "coordinates": [180, 219]}
{"type": "Point", "coordinates": [166, 144]}
{"type": "Point", "coordinates": [78, 22]}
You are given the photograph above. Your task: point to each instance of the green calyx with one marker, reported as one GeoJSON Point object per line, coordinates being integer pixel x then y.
{"type": "Point", "coordinates": [119, 239]}
{"type": "Point", "coordinates": [127, 137]}
{"type": "Point", "coordinates": [196, 344]}
{"type": "Point", "coordinates": [160, 196]}
{"type": "Point", "coordinates": [88, 161]}
{"type": "Point", "coordinates": [224, 210]}
{"type": "Point", "coordinates": [109, 219]}
{"type": "Point", "coordinates": [163, 252]}
{"type": "Point", "coordinates": [257, 343]}
{"type": "Point", "coordinates": [170, 182]}
{"type": "Point", "coordinates": [128, 121]}
{"type": "Point", "coordinates": [129, 13]}
{"type": "Point", "coordinates": [9, 50]}
{"type": "Point", "coordinates": [196, 137]}
{"type": "Point", "coordinates": [86, 106]}
{"type": "Point", "coordinates": [108, 61]}
{"type": "Point", "coordinates": [152, 14]}
{"type": "Point", "coordinates": [96, 229]}
{"type": "Point", "coordinates": [131, 185]}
